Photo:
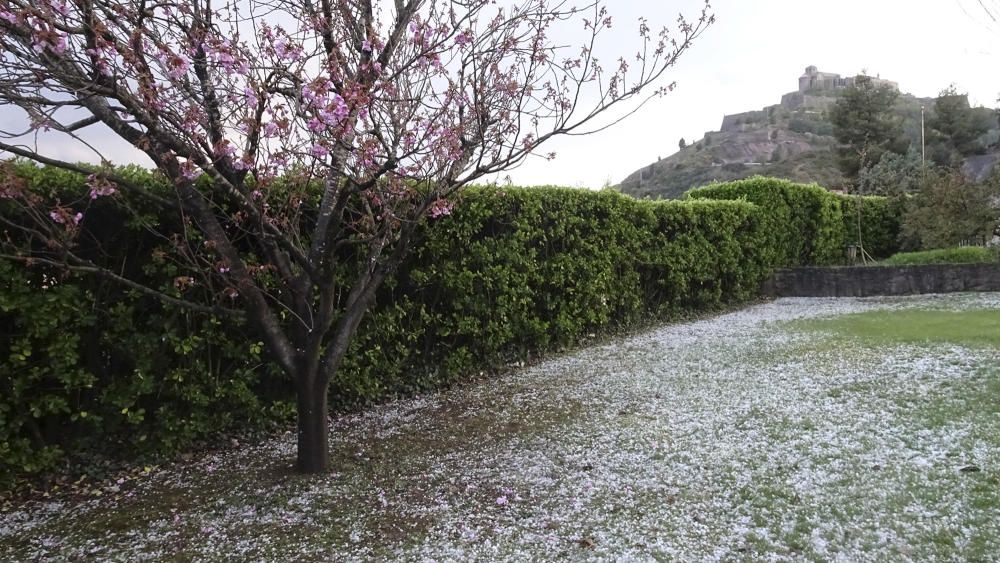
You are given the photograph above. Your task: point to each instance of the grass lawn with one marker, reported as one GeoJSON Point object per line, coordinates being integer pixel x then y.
{"type": "Point", "coordinates": [803, 429]}
{"type": "Point", "coordinates": [971, 328]}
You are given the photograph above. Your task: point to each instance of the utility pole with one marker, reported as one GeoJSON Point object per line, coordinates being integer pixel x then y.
{"type": "Point", "coordinates": [923, 145]}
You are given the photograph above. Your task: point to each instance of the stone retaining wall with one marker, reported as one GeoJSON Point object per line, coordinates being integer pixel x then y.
{"type": "Point", "coordinates": [861, 281]}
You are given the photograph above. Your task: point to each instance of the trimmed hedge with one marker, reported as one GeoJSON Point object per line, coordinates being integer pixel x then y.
{"type": "Point", "coordinates": [810, 226]}
{"type": "Point", "coordinates": [804, 222]}
{"type": "Point", "coordinates": [88, 366]}
{"type": "Point", "coordinates": [880, 223]}
{"type": "Point", "coordinates": [512, 273]}
{"type": "Point", "coordinates": [518, 272]}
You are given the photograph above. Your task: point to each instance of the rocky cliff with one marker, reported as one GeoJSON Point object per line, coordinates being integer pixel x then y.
{"type": "Point", "coordinates": [795, 145]}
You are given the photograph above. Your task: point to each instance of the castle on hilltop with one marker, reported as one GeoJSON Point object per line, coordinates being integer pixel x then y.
{"type": "Point", "coordinates": [817, 89]}
{"type": "Point", "coordinates": [816, 93]}
{"type": "Point", "coordinates": [814, 81]}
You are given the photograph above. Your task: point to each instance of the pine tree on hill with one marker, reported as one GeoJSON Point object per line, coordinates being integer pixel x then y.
{"type": "Point", "coordinates": [865, 125]}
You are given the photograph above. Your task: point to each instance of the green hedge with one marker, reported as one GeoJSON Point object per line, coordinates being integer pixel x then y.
{"type": "Point", "coordinates": [87, 366]}
{"type": "Point", "coordinates": [805, 223]}
{"type": "Point", "coordinates": [880, 223]}
{"type": "Point", "coordinates": [959, 255]}
{"type": "Point", "coordinates": [512, 273]}
{"type": "Point", "coordinates": [518, 272]}
{"type": "Point", "coordinates": [810, 225]}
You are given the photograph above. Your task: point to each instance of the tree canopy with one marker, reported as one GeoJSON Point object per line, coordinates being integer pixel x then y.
{"type": "Point", "coordinates": [956, 127]}
{"type": "Point", "coordinates": [865, 125]}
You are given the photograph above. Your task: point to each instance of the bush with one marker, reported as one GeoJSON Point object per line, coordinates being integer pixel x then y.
{"type": "Point", "coordinates": [510, 274]}
{"type": "Point", "coordinates": [89, 367]}
{"type": "Point", "coordinates": [960, 255]}
{"type": "Point", "coordinates": [949, 211]}
{"type": "Point", "coordinates": [809, 225]}
{"type": "Point", "coordinates": [805, 223]}
{"type": "Point", "coordinates": [517, 272]}
{"type": "Point", "coordinates": [880, 223]}
{"type": "Point", "coordinates": [816, 127]}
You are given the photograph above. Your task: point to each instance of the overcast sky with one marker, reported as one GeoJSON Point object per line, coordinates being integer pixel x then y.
{"type": "Point", "coordinates": [753, 54]}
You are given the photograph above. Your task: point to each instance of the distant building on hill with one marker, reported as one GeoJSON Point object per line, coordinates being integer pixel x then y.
{"type": "Point", "coordinates": [817, 89]}
{"type": "Point", "coordinates": [814, 81]}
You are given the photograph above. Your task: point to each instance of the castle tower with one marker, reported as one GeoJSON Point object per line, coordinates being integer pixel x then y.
{"type": "Point", "coordinates": [813, 79]}
{"type": "Point", "coordinates": [806, 80]}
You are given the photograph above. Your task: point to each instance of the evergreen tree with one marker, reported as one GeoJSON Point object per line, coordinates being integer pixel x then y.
{"type": "Point", "coordinates": [955, 127]}
{"type": "Point", "coordinates": [950, 210]}
{"type": "Point", "coordinates": [683, 144]}
{"type": "Point", "coordinates": [894, 175]}
{"type": "Point", "coordinates": [864, 124]}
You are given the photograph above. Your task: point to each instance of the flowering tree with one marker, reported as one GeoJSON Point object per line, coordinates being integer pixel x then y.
{"type": "Point", "coordinates": [317, 130]}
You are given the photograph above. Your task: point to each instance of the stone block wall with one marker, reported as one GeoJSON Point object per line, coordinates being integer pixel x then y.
{"type": "Point", "coordinates": [864, 281]}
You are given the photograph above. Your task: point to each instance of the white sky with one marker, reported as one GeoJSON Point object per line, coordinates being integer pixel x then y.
{"type": "Point", "coordinates": [747, 60]}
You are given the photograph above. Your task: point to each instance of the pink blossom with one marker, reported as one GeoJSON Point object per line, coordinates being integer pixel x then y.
{"type": "Point", "coordinates": [366, 45]}
{"type": "Point", "coordinates": [374, 67]}
{"type": "Point", "coordinates": [177, 66]}
{"type": "Point", "coordinates": [100, 186]}
{"type": "Point", "coordinates": [10, 191]}
{"type": "Point", "coordinates": [225, 60]}
{"type": "Point", "coordinates": [441, 208]}
{"type": "Point", "coordinates": [100, 62]}
{"type": "Point", "coordinates": [502, 500]}
{"type": "Point", "coordinates": [6, 15]}
{"type": "Point", "coordinates": [285, 51]}
{"type": "Point", "coordinates": [335, 112]}
{"type": "Point", "coordinates": [315, 92]}
{"type": "Point", "coordinates": [45, 38]}
{"type": "Point", "coordinates": [251, 96]}
{"type": "Point", "coordinates": [62, 216]}
{"type": "Point", "coordinates": [463, 39]}
{"type": "Point", "coordinates": [221, 53]}
{"type": "Point", "coordinates": [315, 125]}
{"type": "Point", "coordinates": [224, 148]}
{"type": "Point", "coordinates": [319, 151]}
{"type": "Point", "coordinates": [189, 171]}
{"type": "Point", "coordinates": [281, 48]}
{"type": "Point", "coordinates": [60, 7]}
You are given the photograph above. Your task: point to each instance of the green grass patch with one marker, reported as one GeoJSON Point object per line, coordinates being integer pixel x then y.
{"type": "Point", "coordinates": [976, 328]}
{"type": "Point", "coordinates": [963, 255]}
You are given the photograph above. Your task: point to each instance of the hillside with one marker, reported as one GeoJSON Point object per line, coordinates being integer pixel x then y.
{"type": "Point", "coordinates": [792, 140]}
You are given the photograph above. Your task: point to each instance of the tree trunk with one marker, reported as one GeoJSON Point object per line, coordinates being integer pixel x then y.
{"type": "Point", "coordinates": [313, 452]}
